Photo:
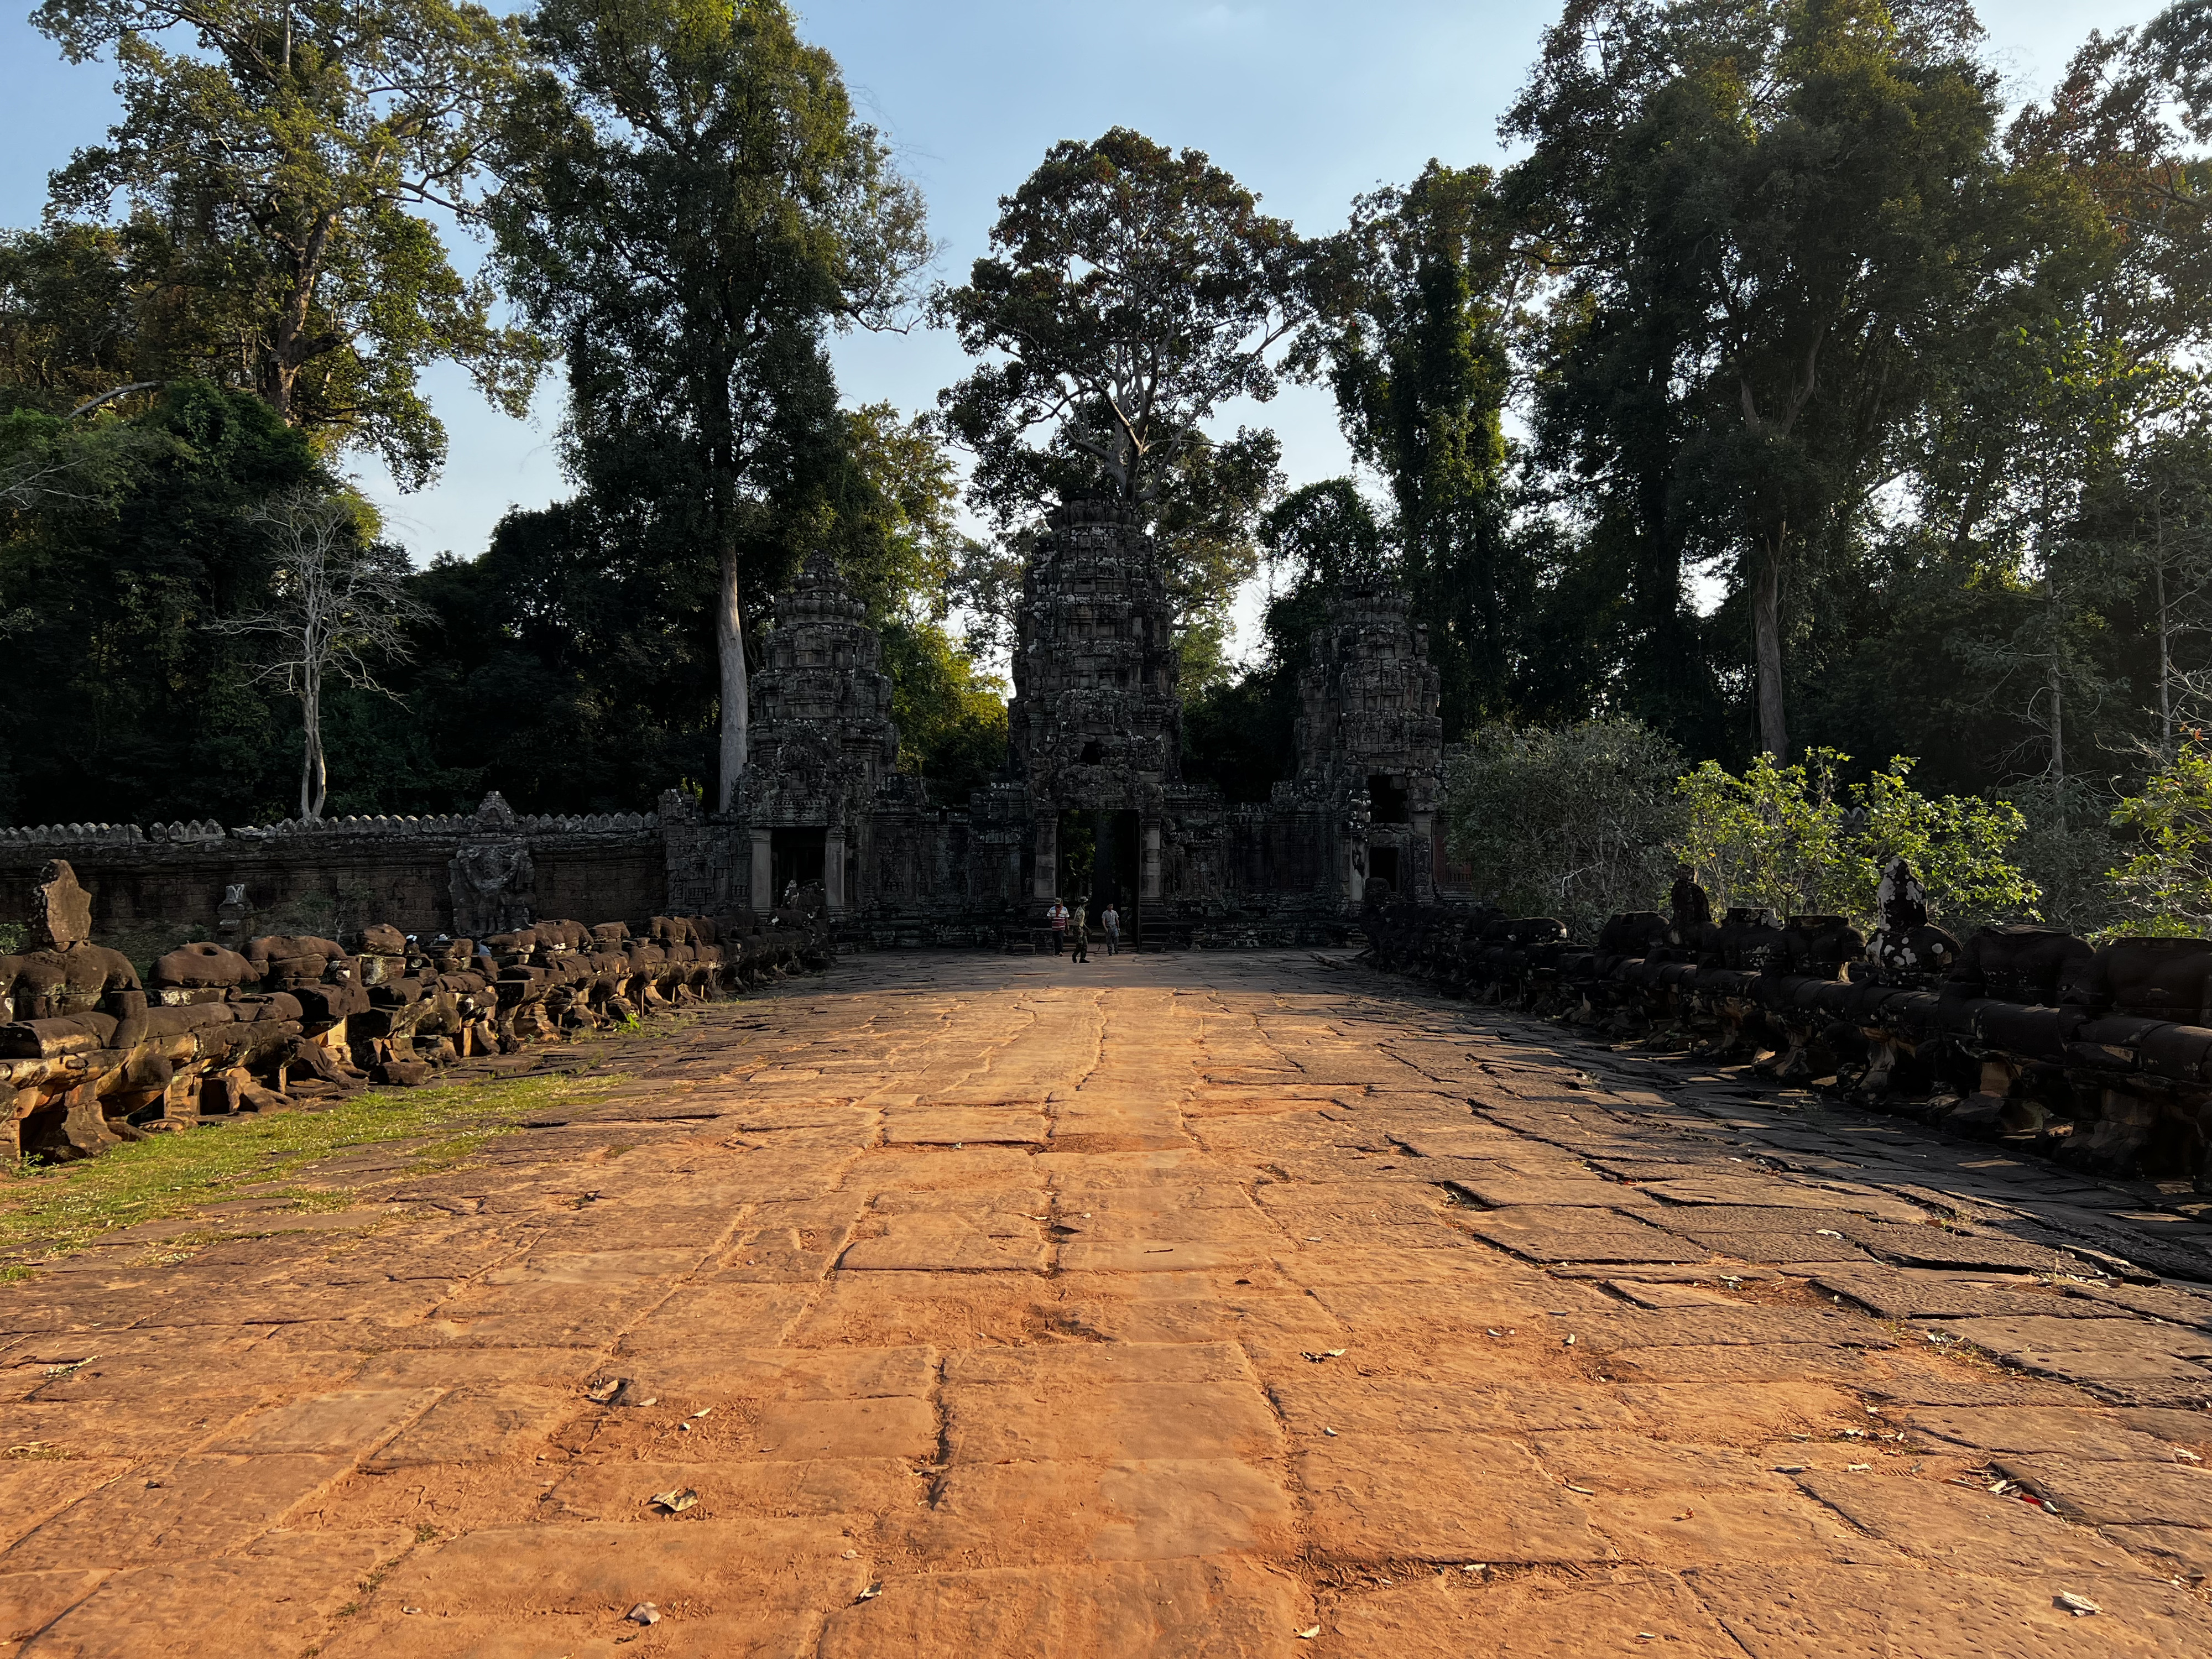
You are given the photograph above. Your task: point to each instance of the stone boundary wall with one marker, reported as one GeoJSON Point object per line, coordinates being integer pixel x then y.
{"type": "Point", "coordinates": [340, 874]}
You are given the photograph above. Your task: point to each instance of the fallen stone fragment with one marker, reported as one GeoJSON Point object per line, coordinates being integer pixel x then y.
{"type": "Point", "coordinates": [643, 1613]}
{"type": "Point", "coordinates": [677, 1499]}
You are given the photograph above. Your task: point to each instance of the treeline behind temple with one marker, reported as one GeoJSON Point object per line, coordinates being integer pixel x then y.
{"type": "Point", "coordinates": [1792, 390]}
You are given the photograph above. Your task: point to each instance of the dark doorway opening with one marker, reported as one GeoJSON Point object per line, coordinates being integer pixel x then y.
{"type": "Point", "coordinates": [1092, 754]}
{"type": "Point", "coordinates": [1386, 800]}
{"type": "Point", "coordinates": [795, 855]}
{"type": "Point", "coordinates": [1117, 860]}
{"type": "Point", "coordinates": [1382, 866]}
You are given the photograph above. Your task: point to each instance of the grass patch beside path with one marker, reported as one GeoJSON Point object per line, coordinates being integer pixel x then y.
{"type": "Point", "coordinates": [54, 1211]}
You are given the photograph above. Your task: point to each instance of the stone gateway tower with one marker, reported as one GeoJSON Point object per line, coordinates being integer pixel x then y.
{"type": "Point", "coordinates": [823, 747]}
{"type": "Point", "coordinates": [1370, 742]}
{"type": "Point", "coordinates": [1096, 726]}
{"type": "Point", "coordinates": [1092, 803]}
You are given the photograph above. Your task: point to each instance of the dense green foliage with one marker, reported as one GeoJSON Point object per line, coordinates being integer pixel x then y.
{"type": "Point", "coordinates": [1789, 840]}
{"type": "Point", "coordinates": [1858, 414]}
{"type": "Point", "coordinates": [276, 165]}
{"type": "Point", "coordinates": [1574, 822]}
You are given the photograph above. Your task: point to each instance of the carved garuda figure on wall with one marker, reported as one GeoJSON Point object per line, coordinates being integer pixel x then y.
{"type": "Point", "coordinates": [493, 885]}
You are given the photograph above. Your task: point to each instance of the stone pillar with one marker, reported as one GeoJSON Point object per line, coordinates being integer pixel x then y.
{"type": "Point", "coordinates": [764, 882]}
{"type": "Point", "coordinates": [1046, 881]}
{"type": "Point", "coordinates": [1419, 873]}
{"type": "Point", "coordinates": [1149, 881]}
{"type": "Point", "coordinates": [833, 866]}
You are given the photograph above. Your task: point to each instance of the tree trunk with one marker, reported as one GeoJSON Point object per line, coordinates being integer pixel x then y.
{"type": "Point", "coordinates": [2165, 648]}
{"type": "Point", "coordinates": [2057, 686]}
{"type": "Point", "coordinates": [313, 775]}
{"type": "Point", "coordinates": [737, 688]}
{"type": "Point", "coordinates": [1767, 639]}
{"type": "Point", "coordinates": [2058, 740]}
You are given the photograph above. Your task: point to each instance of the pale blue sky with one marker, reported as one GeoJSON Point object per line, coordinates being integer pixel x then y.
{"type": "Point", "coordinates": [1306, 102]}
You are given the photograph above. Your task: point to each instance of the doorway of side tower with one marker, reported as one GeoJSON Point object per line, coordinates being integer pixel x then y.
{"type": "Point", "coordinates": [1111, 856]}
{"type": "Point", "coordinates": [795, 855]}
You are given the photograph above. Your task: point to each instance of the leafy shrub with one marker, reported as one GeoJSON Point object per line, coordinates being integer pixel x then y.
{"type": "Point", "coordinates": [1784, 838]}
{"type": "Point", "coordinates": [2166, 889]}
{"type": "Point", "coordinates": [1573, 821]}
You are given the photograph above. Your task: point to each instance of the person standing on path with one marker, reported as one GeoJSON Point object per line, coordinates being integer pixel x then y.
{"type": "Point", "coordinates": [1110, 919]}
{"type": "Point", "coordinates": [1056, 919]}
{"type": "Point", "coordinates": [1080, 925]}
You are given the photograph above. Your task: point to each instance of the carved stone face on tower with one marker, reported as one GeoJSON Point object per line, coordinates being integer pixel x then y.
{"type": "Point", "coordinates": [1097, 719]}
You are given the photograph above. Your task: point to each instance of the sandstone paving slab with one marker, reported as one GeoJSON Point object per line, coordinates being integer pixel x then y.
{"type": "Point", "coordinates": [1939, 1247]}
{"type": "Point", "coordinates": [2183, 1552]}
{"type": "Point", "coordinates": [37, 1482]}
{"type": "Point", "coordinates": [1503, 1192]}
{"type": "Point", "coordinates": [718, 1375]}
{"type": "Point", "coordinates": [1937, 1378]}
{"type": "Point", "coordinates": [2117, 1493]}
{"type": "Point", "coordinates": [183, 1506]}
{"type": "Point", "coordinates": [965, 1126]}
{"type": "Point", "coordinates": [157, 1427]}
{"type": "Point", "coordinates": [1021, 1514]}
{"type": "Point", "coordinates": [862, 1489]}
{"type": "Point", "coordinates": [1762, 1191]}
{"type": "Point", "coordinates": [1229, 1608]}
{"type": "Point", "coordinates": [1008, 1207]}
{"type": "Point", "coordinates": [130, 1365]}
{"type": "Point", "coordinates": [1460, 1616]}
{"type": "Point", "coordinates": [945, 1243]}
{"type": "Point", "coordinates": [801, 1431]}
{"type": "Point", "coordinates": [271, 1601]}
{"type": "Point", "coordinates": [1244, 1225]}
{"type": "Point", "coordinates": [29, 1602]}
{"type": "Point", "coordinates": [1697, 1524]}
{"type": "Point", "coordinates": [711, 1310]}
{"type": "Point", "coordinates": [536, 1316]}
{"type": "Point", "coordinates": [1139, 1255]}
{"type": "Point", "coordinates": [444, 1367]}
{"type": "Point", "coordinates": [2182, 1428]}
{"type": "Point", "coordinates": [687, 1569]}
{"type": "Point", "coordinates": [1045, 1420]}
{"type": "Point", "coordinates": [1313, 1402]}
{"type": "Point", "coordinates": [881, 1310]}
{"type": "Point", "coordinates": [2035, 1335]}
{"type": "Point", "coordinates": [2085, 1435]}
{"type": "Point", "coordinates": [1791, 1362]}
{"type": "Point", "coordinates": [1878, 1613]}
{"type": "Point", "coordinates": [1441, 1498]}
{"type": "Point", "coordinates": [1556, 1233]}
{"type": "Point", "coordinates": [477, 1423]}
{"type": "Point", "coordinates": [1963, 1526]}
{"type": "Point", "coordinates": [2168, 1301]}
{"type": "Point", "coordinates": [554, 1263]}
{"type": "Point", "coordinates": [1100, 1366]}
{"type": "Point", "coordinates": [1916, 1293]}
{"type": "Point", "coordinates": [350, 1423]}
{"type": "Point", "coordinates": [1731, 1327]}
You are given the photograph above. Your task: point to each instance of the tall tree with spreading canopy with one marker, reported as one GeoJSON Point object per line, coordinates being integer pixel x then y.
{"type": "Point", "coordinates": [1766, 216]}
{"type": "Point", "coordinates": [278, 161]}
{"type": "Point", "coordinates": [1130, 292]}
{"type": "Point", "coordinates": [1418, 302]}
{"type": "Point", "coordinates": [692, 206]}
